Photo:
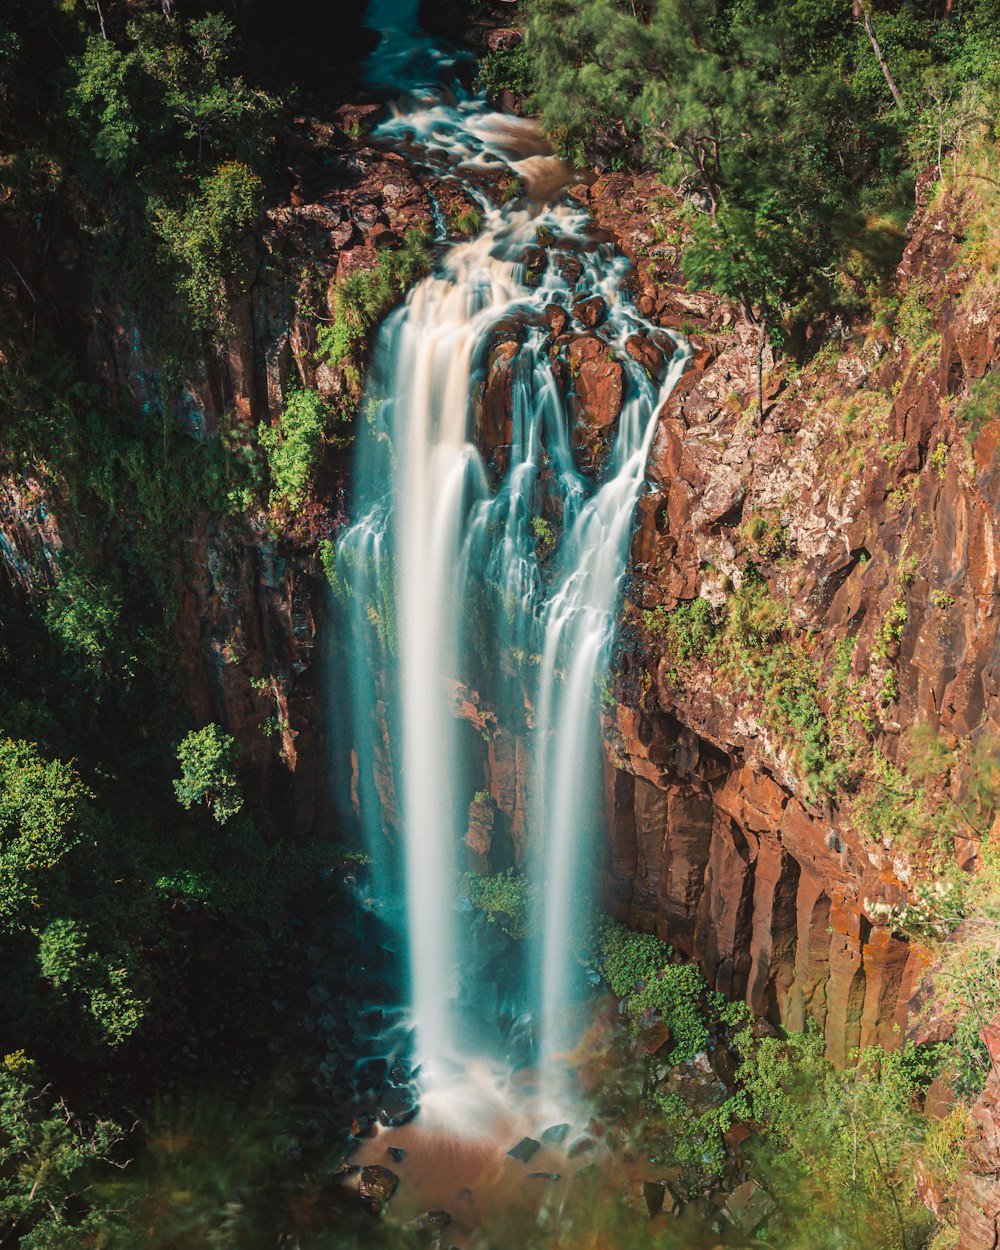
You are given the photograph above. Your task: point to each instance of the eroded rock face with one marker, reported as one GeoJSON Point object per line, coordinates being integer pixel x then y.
{"type": "Point", "coordinates": [874, 505]}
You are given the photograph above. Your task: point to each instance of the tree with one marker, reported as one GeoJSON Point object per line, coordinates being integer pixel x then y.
{"type": "Point", "coordinates": [207, 757]}
{"type": "Point", "coordinates": [43, 810]}
{"type": "Point", "coordinates": [861, 12]}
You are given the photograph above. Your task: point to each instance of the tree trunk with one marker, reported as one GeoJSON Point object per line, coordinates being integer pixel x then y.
{"type": "Point", "coordinates": [761, 342]}
{"type": "Point", "coordinates": [100, 17]}
{"type": "Point", "coordinates": [861, 8]}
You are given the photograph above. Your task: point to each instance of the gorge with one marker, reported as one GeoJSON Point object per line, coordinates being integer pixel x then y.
{"type": "Point", "coordinates": [647, 656]}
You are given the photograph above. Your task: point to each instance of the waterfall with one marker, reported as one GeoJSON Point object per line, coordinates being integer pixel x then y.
{"type": "Point", "coordinates": [437, 532]}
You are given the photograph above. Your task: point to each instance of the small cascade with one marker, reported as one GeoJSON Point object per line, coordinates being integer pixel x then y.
{"type": "Point", "coordinates": [447, 583]}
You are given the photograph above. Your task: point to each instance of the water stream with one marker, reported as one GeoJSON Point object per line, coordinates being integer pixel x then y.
{"type": "Point", "coordinates": [451, 557]}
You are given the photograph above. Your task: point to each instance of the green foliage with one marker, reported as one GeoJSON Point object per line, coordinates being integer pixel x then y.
{"type": "Point", "coordinates": [747, 642]}
{"type": "Point", "coordinates": [84, 615]}
{"type": "Point", "coordinates": [982, 404]}
{"type": "Point", "coordinates": [366, 295]}
{"type": "Point", "coordinates": [628, 957]}
{"type": "Point", "coordinates": [48, 1165]}
{"type": "Point", "coordinates": [294, 446]}
{"type": "Point", "coordinates": [467, 221]}
{"type": "Point", "coordinates": [43, 815]}
{"type": "Point", "coordinates": [544, 533]}
{"type": "Point", "coordinates": [700, 89]}
{"type": "Point", "coordinates": [506, 69]}
{"type": "Point", "coordinates": [203, 238]}
{"type": "Point", "coordinates": [764, 536]}
{"type": "Point", "coordinates": [839, 1146]}
{"type": "Point", "coordinates": [638, 970]}
{"type": "Point", "coordinates": [168, 143]}
{"type": "Point", "coordinates": [506, 897]}
{"type": "Point", "coordinates": [69, 965]}
{"type": "Point", "coordinates": [207, 757]}
{"type": "Point", "coordinates": [688, 633]}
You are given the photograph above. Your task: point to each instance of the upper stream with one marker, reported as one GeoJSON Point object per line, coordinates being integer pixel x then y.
{"type": "Point", "coordinates": [488, 565]}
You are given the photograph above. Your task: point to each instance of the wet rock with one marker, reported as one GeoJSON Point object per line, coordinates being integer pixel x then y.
{"type": "Point", "coordinates": [597, 381]}
{"type": "Point", "coordinates": [377, 1184]}
{"type": "Point", "coordinates": [503, 39]}
{"type": "Point", "coordinates": [383, 236]}
{"type": "Point", "coordinates": [748, 1206]}
{"type": "Point", "coordinates": [558, 319]}
{"type": "Point", "coordinates": [571, 269]}
{"type": "Point", "coordinates": [400, 1073]}
{"type": "Point", "coordinates": [555, 1135]}
{"type": "Point", "coordinates": [525, 1149]}
{"type": "Point", "coordinates": [435, 1221]}
{"type": "Point", "coordinates": [544, 1176]}
{"type": "Point", "coordinates": [396, 1153]}
{"type": "Point", "coordinates": [398, 1105]}
{"type": "Point", "coordinates": [580, 1146]}
{"type": "Point", "coordinates": [495, 423]}
{"type": "Point", "coordinates": [647, 354]}
{"type": "Point", "coordinates": [590, 312]}
{"type": "Point", "coordinates": [653, 1195]}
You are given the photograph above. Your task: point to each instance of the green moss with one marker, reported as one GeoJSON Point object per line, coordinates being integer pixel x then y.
{"type": "Point", "coordinates": [506, 899]}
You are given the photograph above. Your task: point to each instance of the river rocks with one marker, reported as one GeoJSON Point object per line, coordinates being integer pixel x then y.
{"type": "Point", "coordinates": [590, 312]}
{"type": "Point", "coordinates": [748, 1206]}
{"type": "Point", "coordinates": [597, 381]}
{"type": "Point", "coordinates": [525, 1149]}
{"type": "Point", "coordinates": [494, 424]}
{"type": "Point", "coordinates": [652, 359]}
{"type": "Point", "coordinates": [377, 1184]}
{"type": "Point", "coordinates": [555, 1135]}
{"type": "Point", "coordinates": [557, 319]}
{"type": "Point", "coordinates": [398, 1105]}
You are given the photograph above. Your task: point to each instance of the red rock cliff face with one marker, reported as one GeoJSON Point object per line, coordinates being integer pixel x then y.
{"type": "Point", "coordinates": [884, 498]}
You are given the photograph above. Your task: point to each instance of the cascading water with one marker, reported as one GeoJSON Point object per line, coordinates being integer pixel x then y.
{"type": "Point", "coordinates": [438, 531]}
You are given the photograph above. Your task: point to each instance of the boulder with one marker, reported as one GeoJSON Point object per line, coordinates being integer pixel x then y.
{"type": "Point", "coordinates": [748, 1206]}
{"type": "Point", "coordinates": [525, 1149]}
{"type": "Point", "coordinates": [377, 1184]}
{"type": "Point", "coordinates": [590, 312]}
{"type": "Point", "coordinates": [598, 381]}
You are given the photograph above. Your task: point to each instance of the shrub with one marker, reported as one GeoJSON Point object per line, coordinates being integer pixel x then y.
{"type": "Point", "coordinates": [294, 446]}
{"type": "Point", "coordinates": [366, 295]}
{"type": "Point", "coordinates": [207, 757]}
{"type": "Point", "coordinates": [506, 898]}
{"type": "Point", "coordinates": [43, 810]}
{"type": "Point", "coordinates": [68, 964]}
{"type": "Point", "coordinates": [506, 69]}
{"type": "Point", "coordinates": [203, 237]}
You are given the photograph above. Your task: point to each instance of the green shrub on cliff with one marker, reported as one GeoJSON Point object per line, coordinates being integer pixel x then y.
{"type": "Point", "coordinates": [49, 1163]}
{"type": "Point", "coordinates": [838, 1147]}
{"type": "Point", "coordinates": [795, 130]}
{"type": "Point", "coordinates": [105, 983]}
{"type": "Point", "coordinates": [363, 297]}
{"type": "Point", "coordinates": [751, 644]}
{"type": "Point", "coordinates": [506, 897]}
{"type": "Point", "coordinates": [168, 148]}
{"type": "Point", "coordinates": [207, 757]}
{"type": "Point", "coordinates": [204, 237]}
{"type": "Point", "coordinates": [44, 814]}
{"type": "Point", "coordinates": [294, 446]}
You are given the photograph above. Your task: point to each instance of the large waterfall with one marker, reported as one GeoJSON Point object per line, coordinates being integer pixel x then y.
{"type": "Point", "coordinates": [442, 560]}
